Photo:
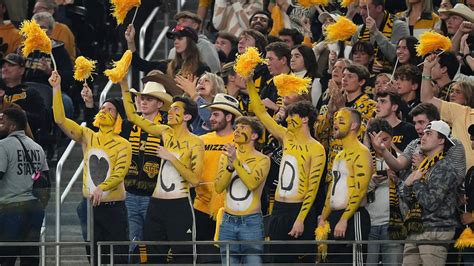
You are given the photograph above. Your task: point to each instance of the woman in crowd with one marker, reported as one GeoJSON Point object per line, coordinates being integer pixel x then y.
{"type": "Point", "coordinates": [303, 64]}
{"type": "Point", "coordinates": [202, 90]}
{"type": "Point", "coordinates": [187, 60]}
{"type": "Point", "coordinates": [406, 51]}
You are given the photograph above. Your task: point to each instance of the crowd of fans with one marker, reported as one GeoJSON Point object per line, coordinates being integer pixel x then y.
{"type": "Point", "coordinates": [379, 148]}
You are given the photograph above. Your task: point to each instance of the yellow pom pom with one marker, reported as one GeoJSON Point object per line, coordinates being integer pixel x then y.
{"type": "Point", "coordinates": [342, 30]}
{"type": "Point", "coordinates": [288, 84]}
{"type": "Point", "coordinates": [322, 234]}
{"type": "Point", "coordinates": [431, 41]}
{"type": "Point", "coordinates": [36, 38]}
{"type": "Point", "coordinates": [83, 68]}
{"type": "Point", "coordinates": [278, 24]}
{"type": "Point", "coordinates": [120, 8]}
{"type": "Point", "coordinates": [120, 68]}
{"type": "Point", "coordinates": [247, 62]}
{"type": "Point", "coordinates": [465, 240]}
{"type": "Point", "coordinates": [216, 203]}
{"type": "Point", "coordinates": [310, 3]}
{"type": "Point", "coordinates": [346, 3]}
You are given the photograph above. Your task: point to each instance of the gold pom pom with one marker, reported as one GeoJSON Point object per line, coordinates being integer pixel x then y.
{"type": "Point", "coordinates": [247, 62]}
{"type": "Point", "coordinates": [35, 38]}
{"type": "Point", "coordinates": [278, 24]}
{"type": "Point", "coordinates": [465, 240]}
{"type": "Point", "coordinates": [120, 8]}
{"type": "Point", "coordinates": [288, 84]}
{"type": "Point", "coordinates": [346, 3]}
{"type": "Point", "coordinates": [310, 3]}
{"type": "Point", "coordinates": [322, 234]}
{"type": "Point", "coordinates": [120, 69]}
{"type": "Point", "coordinates": [83, 68]}
{"type": "Point", "coordinates": [431, 41]}
{"type": "Point", "coordinates": [342, 30]}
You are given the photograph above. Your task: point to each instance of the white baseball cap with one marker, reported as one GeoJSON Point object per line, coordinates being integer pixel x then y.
{"type": "Point", "coordinates": [442, 128]}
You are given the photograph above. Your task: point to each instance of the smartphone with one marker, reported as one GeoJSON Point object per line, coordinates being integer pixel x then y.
{"type": "Point", "coordinates": [382, 172]}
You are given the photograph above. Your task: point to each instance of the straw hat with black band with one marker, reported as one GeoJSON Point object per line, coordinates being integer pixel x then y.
{"type": "Point", "coordinates": [226, 103]}
{"type": "Point", "coordinates": [161, 87]}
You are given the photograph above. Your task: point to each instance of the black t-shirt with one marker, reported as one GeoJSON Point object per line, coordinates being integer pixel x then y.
{"type": "Point", "coordinates": [403, 133]}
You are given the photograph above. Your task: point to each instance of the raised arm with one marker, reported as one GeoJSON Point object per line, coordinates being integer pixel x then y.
{"type": "Point", "coordinates": [427, 90]}
{"type": "Point", "coordinates": [69, 127]}
{"type": "Point", "coordinates": [276, 130]}
{"type": "Point", "coordinates": [133, 117]}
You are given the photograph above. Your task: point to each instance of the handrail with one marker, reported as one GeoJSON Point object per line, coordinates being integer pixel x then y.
{"type": "Point", "coordinates": [141, 38]}
{"type": "Point", "coordinates": [59, 169]}
{"type": "Point", "coordinates": [72, 181]}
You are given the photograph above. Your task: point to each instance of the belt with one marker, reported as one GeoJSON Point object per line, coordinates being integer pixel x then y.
{"type": "Point", "coordinates": [17, 204]}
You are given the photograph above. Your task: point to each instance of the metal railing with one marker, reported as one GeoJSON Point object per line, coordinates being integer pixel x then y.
{"type": "Point", "coordinates": [266, 255]}
{"type": "Point", "coordinates": [60, 196]}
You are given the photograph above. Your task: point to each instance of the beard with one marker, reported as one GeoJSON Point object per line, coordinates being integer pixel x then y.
{"type": "Point", "coordinates": [218, 126]}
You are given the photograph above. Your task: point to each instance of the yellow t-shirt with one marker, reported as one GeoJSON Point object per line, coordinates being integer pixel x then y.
{"type": "Point", "coordinates": [213, 148]}
{"type": "Point", "coordinates": [460, 117]}
{"type": "Point", "coordinates": [11, 37]}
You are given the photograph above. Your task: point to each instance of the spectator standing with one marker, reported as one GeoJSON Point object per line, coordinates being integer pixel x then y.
{"type": "Point", "coordinates": [381, 194]}
{"type": "Point", "coordinates": [224, 110]}
{"type": "Point", "coordinates": [107, 158]}
{"type": "Point", "coordinates": [170, 215]}
{"type": "Point", "coordinates": [241, 174]}
{"type": "Point", "coordinates": [142, 175]}
{"type": "Point", "coordinates": [9, 35]}
{"type": "Point", "coordinates": [21, 213]}
{"type": "Point", "coordinates": [298, 181]}
{"type": "Point", "coordinates": [431, 192]}
{"type": "Point", "coordinates": [467, 218]}
{"type": "Point", "coordinates": [344, 207]}
{"type": "Point", "coordinates": [60, 31]}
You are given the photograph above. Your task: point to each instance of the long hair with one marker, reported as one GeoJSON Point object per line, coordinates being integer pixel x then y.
{"type": "Point", "coordinates": [411, 43]}
{"type": "Point", "coordinates": [467, 90]}
{"type": "Point", "coordinates": [186, 62]}
{"type": "Point", "coordinates": [309, 60]}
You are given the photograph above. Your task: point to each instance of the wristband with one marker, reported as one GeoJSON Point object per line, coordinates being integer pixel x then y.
{"type": "Point", "coordinates": [423, 77]}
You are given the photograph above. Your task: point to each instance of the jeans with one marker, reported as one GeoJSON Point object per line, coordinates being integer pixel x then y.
{"type": "Point", "coordinates": [242, 228]}
{"type": "Point", "coordinates": [392, 254]}
{"type": "Point", "coordinates": [20, 221]}
{"type": "Point", "coordinates": [136, 207]}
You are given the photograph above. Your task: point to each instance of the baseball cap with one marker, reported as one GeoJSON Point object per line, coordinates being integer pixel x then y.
{"type": "Point", "coordinates": [14, 59]}
{"type": "Point", "coordinates": [180, 31]}
{"type": "Point", "coordinates": [442, 128]}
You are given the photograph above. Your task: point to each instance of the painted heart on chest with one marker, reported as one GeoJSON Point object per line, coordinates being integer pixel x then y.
{"type": "Point", "coordinates": [98, 169]}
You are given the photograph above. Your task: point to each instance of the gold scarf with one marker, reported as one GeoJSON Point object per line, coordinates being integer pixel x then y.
{"type": "Point", "coordinates": [413, 221]}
